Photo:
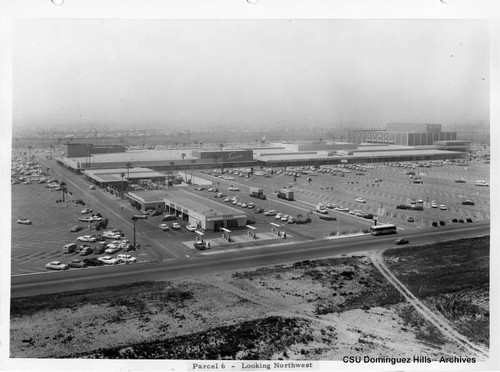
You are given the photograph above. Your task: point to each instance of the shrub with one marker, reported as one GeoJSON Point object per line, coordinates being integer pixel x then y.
{"type": "Point", "coordinates": [469, 220]}
{"type": "Point", "coordinates": [441, 223]}
{"type": "Point", "coordinates": [454, 220]}
{"type": "Point", "coordinates": [434, 224]}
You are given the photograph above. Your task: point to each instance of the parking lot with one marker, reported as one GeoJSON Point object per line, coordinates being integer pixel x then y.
{"type": "Point", "coordinates": [381, 187]}
{"type": "Point", "coordinates": [35, 245]}
{"type": "Point", "coordinates": [382, 198]}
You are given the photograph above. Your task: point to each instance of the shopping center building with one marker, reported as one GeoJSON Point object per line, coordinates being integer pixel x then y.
{"type": "Point", "coordinates": [204, 213]}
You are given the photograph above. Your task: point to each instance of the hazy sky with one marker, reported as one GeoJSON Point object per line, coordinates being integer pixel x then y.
{"type": "Point", "coordinates": [256, 72]}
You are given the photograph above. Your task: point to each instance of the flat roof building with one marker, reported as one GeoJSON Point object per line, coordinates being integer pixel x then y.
{"type": "Point", "coordinates": [204, 213]}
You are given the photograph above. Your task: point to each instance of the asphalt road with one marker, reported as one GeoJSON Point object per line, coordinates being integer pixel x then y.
{"type": "Point", "coordinates": [56, 282]}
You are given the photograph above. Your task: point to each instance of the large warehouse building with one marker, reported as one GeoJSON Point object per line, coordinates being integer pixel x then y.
{"type": "Point", "coordinates": [402, 134]}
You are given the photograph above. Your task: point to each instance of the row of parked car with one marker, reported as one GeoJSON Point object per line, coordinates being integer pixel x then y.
{"type": "Point", "coordinates": [99, 261]}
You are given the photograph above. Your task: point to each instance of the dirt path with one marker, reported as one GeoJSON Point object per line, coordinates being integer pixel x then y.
{"type": "Point", "coordinates": [437, 320]}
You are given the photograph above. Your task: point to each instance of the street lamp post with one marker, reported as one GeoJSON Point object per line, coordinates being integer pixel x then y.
{"type": "Point", "coordinates": [134, 219]}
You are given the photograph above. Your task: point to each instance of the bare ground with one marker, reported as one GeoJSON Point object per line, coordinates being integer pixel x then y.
{"type": "Point", "coordinates": [318, 310]}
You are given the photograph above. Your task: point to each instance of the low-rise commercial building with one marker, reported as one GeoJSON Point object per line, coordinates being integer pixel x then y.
{"type": "Point", "coordinates": [204, 213]}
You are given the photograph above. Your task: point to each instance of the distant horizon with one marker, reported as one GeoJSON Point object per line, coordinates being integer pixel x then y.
{"type": "Point", "coordinates": [249, 73]}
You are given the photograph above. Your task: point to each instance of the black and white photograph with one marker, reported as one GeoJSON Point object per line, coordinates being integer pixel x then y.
{"type": "Point", "coordinates": [286, 192]}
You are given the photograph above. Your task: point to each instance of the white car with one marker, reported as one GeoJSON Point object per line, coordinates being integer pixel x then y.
{"type": "Point", "coordinates": [227, 200]}
{"type": "Point", "coordinates": [24, 221]}
{"type": "Point", "coordinates": [235, 202]}
{"type": "Point", "coordinates": [244, 205]}
{"type": "Point", "coordinates": [360, 200]}
{"type": "Point", "coordinates": [111, 235]}
{"type": "Point", "coordinates": [87, 210]}
{"type": "Point", "coordinates": [278, 216]}
{"type": "Point", "coordinates": [112, 248]}
{"type": "Point", "coordinates": [434, 205]}
{"type": "Point", "coordinates": [270, 212]}
{"type": "Point", "coordinates": [87, 238]}
{"type": "Point", "coordinates": [191, 228]}
{"type": "Point", "coordinates": [126, 258]}
{"type": "Point", "coordinates": [442, 207]}
{"type": "Point", "coordinates": [251, 205]}
{"type": "Point", "coordinates": [108, 260]}
{"type": "Point", "coordinates": [233, 188]}
{"type": "Point", "coordinates": [56, 265]}
{"type": "Point", "coordinates": [285, 217]}
{"type": "Point", "coordinates": [175, 226]}
{"type": "Point", "coordinates": [92, 187]}
{"type": "Point", "coordinates": [164, 227]}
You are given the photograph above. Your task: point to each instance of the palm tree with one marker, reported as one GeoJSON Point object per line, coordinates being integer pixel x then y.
{"type": "Point", "coordinates": [171, 177]}
{"type": "Point", "coordinates": [184, 166]}
{"type": "Point", "coordinates": [64, 190]}
{"type": "Point", "coordinates": [128, 166]}
{"type": "Point", "coordinates": [122, 175]}
{"type": "Point", "coordinates": [221, 146]}
{"type": "Point", "coordinates": [192, 168]}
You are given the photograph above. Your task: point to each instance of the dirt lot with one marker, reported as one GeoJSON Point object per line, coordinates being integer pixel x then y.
{"type": "Point", "coordinates": [320, 310]}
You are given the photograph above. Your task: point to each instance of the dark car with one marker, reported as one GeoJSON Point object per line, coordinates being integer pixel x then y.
{"type": "Point", "coordinates": [169, 217]}
{"type": "Point", "coordinates": [403, 206]}
{"type": "Point", "coordinates": [155, 213]}
{"type": "Point", "coordinates": [459, 181]}
{"type": "Point", "coordinates": [259, 210]}
{"type": "Point", "coordinates": [93, 262]}
{"type": "Point", "coordinates": [327, 218]}
{"type": "Point", "coordinates": [401, 241]}
{"type": "Point", "coordinates": [76, 228]}
{"type": "Point", "coordinates": [468, 202]}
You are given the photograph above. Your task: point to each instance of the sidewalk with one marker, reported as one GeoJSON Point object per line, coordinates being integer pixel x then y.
{"type": "Point", "coordinates": [238, 241]}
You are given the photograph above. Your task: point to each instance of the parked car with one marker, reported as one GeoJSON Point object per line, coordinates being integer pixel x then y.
{"type": "Point", "coordinates": [76, 228]}
{"type": "Point", "coordinates": [112, 248]}
{"type": "Point", "coordinates": [401, 241]}
{"type": "Point", "coordinates": [169, 217]}
{"type": "Point", "coordinates": [270, 212]}
{"type": "Point", "coordinates": [126, 258]}
{"type": "Point", "coordinates": [85, 251]}
{"type": "Point", "coordinates": [141, 216]}
{"type": "Point", "coordinates": [468, 202]}
{"type": "Point", "coordinates": [227, 199]}
{"type": "Point", "coordinates": [87, 210]}
{"type": "Point", "coordinates": [434, 204]}
{"type": "Point", "coordinates": [410, 219]}
{"type": "Point", "coordinates": [360, 200]}
{"type": "Point", "coordinates": [24, 221]}
{"type": "Point", "coordinates": [93, 262]}
{"type": "Point", "coordinates": [460, 181]}
{"type": "Point", "coordinates": [87, 238]}
{"type": "Point", "coordinates": [200, 188]}
{"type": "Point", "coordinates": [56, 265]}
{"type": "Point", "coordinates": [164, 227]}
{"type": "Point", "coordinates": [76, 263]}
{"type": "Point", "coordinates": [259, 210]}
{"type": "Point", "coordinates": [175, 226]}
{"type": "Point", "coordinates": [442, 207]}
{"type": "Point", "coordinates": [108, 260]}
{"type": "Point", "coordinates": [233, 188]}
{"type": "Point", "coordinates": [191, 228]}
{"type": "Point", "coordinates": [92, 187]}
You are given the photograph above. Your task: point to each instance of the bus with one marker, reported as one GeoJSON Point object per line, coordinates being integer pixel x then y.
{"type": "Point", "coordinates": [383, 229]}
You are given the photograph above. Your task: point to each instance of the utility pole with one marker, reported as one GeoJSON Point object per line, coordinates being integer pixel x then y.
{"type": "Point", "coordinates": [134, 219]}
